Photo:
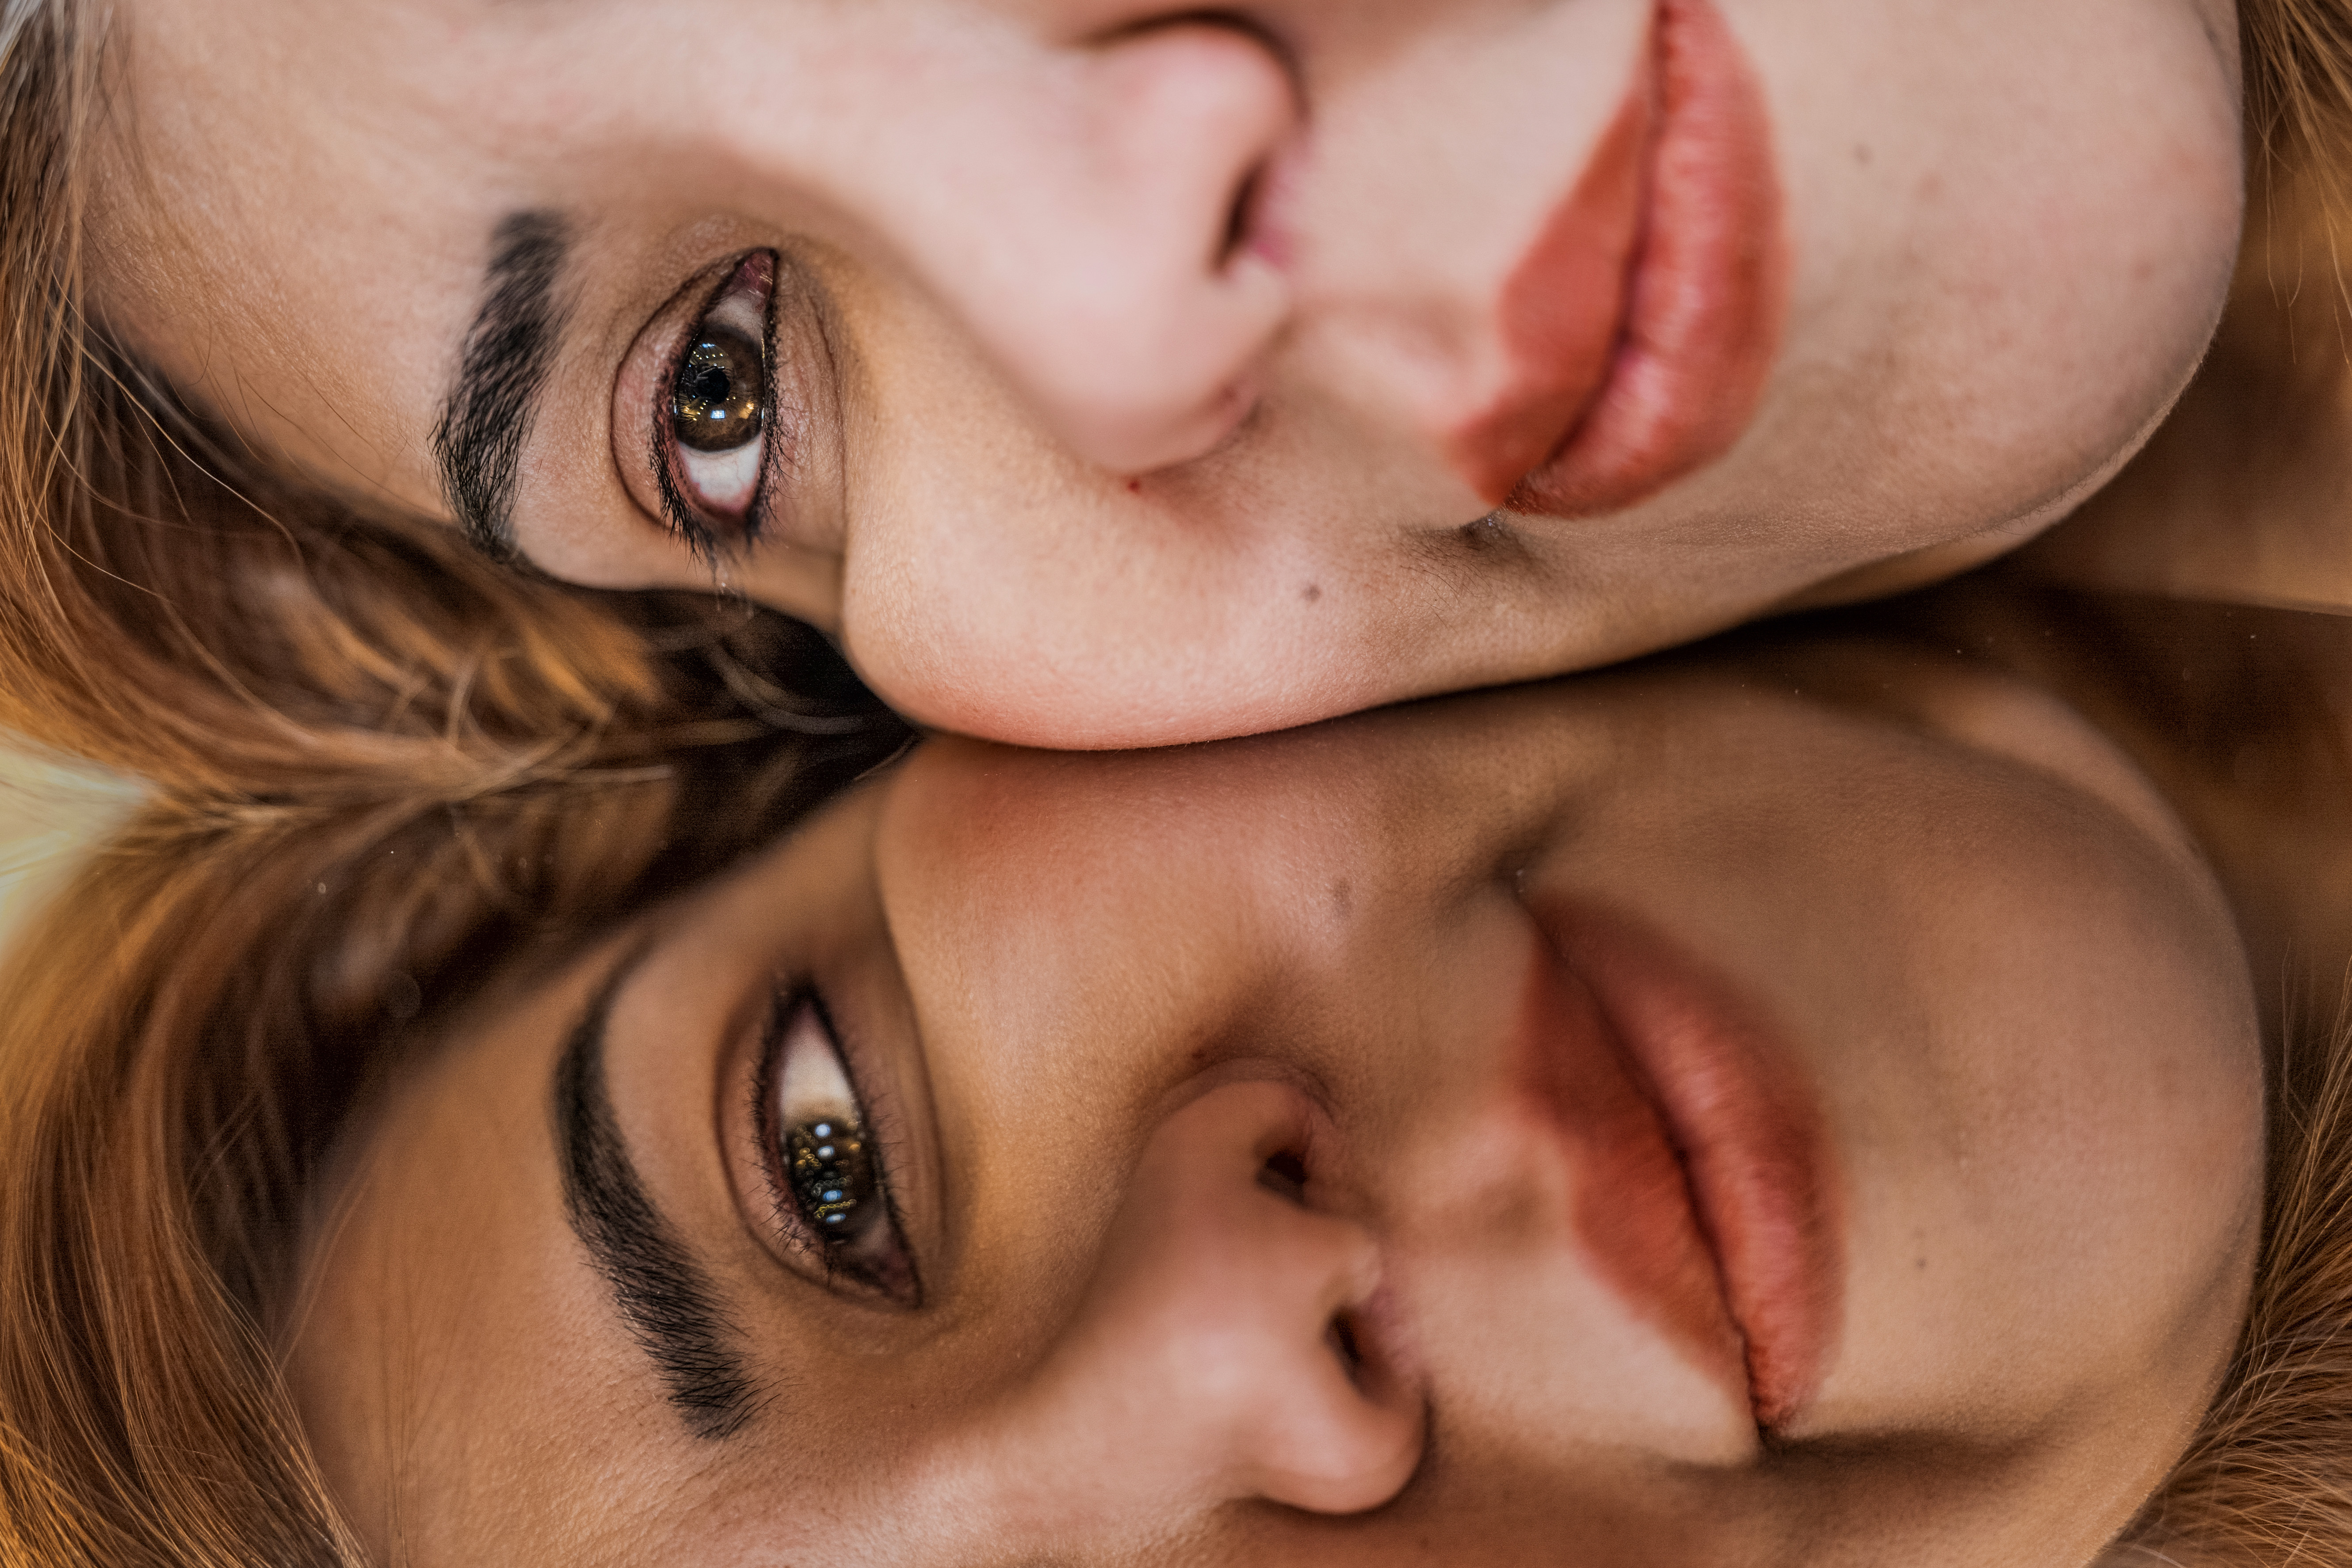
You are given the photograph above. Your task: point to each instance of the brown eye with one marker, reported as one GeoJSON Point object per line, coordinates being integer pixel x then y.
{"type": "Point", "coordinates": [715, 401]}
{"type": "Point", "coordinates": [832, 1177]}
{"type": "Point", "coordinates": [714, 411]}
{"type": "Point", "coordinates": [827, 1173]}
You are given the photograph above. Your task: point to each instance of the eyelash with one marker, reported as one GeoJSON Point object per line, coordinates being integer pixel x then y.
{"type": "Point", "coordinates": [679, 513]}
{"type": "Point", "coordinates": [895, 1278]}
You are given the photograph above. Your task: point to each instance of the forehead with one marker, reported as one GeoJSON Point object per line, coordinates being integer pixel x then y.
{"type": "Point", "coordinates": [296, 205]}
{"type": "Point", "coordinates": [280, 230]}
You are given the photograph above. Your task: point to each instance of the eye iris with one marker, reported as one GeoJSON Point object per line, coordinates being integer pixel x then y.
{"type": "Point", "coordinates": [831, 1174]}
{"type": "Point", "coordinates": [715, 402]}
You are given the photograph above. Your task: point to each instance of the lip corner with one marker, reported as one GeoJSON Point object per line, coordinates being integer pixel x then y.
{"type": "Point", "coordinates": [1749, 1127]}
{"type": "Point", "coordinates": [1706, 291]}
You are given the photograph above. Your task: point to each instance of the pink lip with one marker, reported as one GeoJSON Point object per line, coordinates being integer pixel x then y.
{"type": "Point", "coordinates": [1711, 1196]}
{"type": "Point", "coordinates": [1642, 321]}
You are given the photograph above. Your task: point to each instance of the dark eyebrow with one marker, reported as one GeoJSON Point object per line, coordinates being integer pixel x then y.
{"type": "Point", "coordinates": [509, 350]}
{"type": "Point", "coordinates": [664, 1295]}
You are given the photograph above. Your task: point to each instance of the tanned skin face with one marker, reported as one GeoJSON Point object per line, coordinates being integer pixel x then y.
{"type": "Point", "coordinates": [1228, 1154]}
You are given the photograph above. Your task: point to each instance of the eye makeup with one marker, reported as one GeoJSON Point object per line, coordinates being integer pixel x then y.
{"type": "Point", "coordinates": [826, 1170]}
{"type": "Point", "coordinates": [725, 388]}
{"type": "Point", "coordinates": [713, 418]}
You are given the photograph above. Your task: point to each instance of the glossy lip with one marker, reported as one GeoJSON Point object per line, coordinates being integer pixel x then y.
{"type": "Point", "coordinates": [1644, 321]}
{"type": "Point", "coordinates": [1713, 1198]}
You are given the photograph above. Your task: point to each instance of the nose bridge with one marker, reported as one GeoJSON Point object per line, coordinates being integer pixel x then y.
{"type": "Point", "coordinates": [1212, 1356]}
{"type": "Point", "coordinates": [1075, 206]}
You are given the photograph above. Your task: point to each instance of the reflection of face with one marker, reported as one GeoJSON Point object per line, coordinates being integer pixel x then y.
{"type": "Point", "coordinates": [1133, 377]}
{"type": "Point", "coordinates": [1348, 1147]}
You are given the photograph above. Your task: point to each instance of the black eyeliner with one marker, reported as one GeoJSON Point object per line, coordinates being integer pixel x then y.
{"type": "Point", "coordinates": [787, 1001]}
{"type": "Point", "coordinates": [677, 512]}
{"type": "Point", "coordinates": [688, 529]}
{"type": "Point", "coordinates": [763, 1099]}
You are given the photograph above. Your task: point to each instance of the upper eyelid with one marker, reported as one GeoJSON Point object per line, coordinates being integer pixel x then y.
{"type": "Point", "coordinates": [683, 308]}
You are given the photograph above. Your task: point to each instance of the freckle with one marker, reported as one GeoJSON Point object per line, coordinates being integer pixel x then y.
{"type": "Point", "coordinates": [1862, 154]}
{"type": "Point", "coordinates": [1343, 896]}
{"type": "Point", "coordinates": [1310, 592]}
{"type": "Point", "coordinates": [1918, 1263]}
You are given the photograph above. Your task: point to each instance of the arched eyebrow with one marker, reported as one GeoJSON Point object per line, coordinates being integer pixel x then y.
{"type": "Point", "coordinates": [663, 1294]}
{"type": "Point", "coordinates": [509, 350]}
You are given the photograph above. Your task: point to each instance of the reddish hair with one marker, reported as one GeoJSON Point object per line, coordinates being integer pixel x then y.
{"type": "Point", "coordinates": [380, 766]}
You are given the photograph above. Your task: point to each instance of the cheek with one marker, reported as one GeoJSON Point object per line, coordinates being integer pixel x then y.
{"type": "Point", "coordinates": [2016, 224]}
{"type": "Point", "coordinates": [2071, 1204]}
{"type": "Point", "coordinates": [1097, 618]}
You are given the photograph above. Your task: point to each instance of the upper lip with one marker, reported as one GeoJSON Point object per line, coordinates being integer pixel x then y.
{"type": "Point", "coordinates": [1642, 319]}
{"type": "Point", "coordinates": [1748, 1128]}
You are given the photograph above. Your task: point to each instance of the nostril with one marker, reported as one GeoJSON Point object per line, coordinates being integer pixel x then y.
{"type": "Point", "coordinates": [1284, 1174]}
{"type": "Point", "coordinates": [1241, 217]}
{"type": "Point", "coordinates": [1340, 1335]}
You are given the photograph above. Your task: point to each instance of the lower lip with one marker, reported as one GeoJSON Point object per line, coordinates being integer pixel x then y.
{"type": "Point", "coordinates": [1646, 316]}
{"type": "Point", "coordinates": [1712, 1189]}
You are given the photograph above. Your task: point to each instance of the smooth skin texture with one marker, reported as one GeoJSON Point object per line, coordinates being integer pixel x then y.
{"type": "Point", "coordinates": [1123, 349]}
{"type": "Point", "coordinates": [1084, 996]}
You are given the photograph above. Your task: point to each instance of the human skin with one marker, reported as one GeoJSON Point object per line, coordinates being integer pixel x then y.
{"type": "Point", "coordinates": [1129, 364]}
{"type": "Point", "coordinates": [1086, 998]}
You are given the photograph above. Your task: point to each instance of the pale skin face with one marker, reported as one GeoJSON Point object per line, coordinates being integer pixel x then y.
{"type": "Point", "coordinates": [1129, 374]}
{"type": "Point", "coordinates": [1180, 1060]}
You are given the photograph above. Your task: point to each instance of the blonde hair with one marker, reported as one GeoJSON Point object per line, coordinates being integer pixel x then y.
{"type": "Point", "coordinates": [183, 1031]}
{"type": "Point", "coordinates": [2267, 1478]}
{"type": "Point", "coordinates": [381, 766]}
{"type": "Point", "coordinates": [2237, 712]}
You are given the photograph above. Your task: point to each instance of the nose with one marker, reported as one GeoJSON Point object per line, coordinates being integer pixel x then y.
{"type": "Point", "coordinates": [1222, 1351]}
{"type": "Point", "coordinates": [1105, 267]}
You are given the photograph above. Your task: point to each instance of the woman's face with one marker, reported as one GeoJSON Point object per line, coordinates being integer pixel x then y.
{"type": "Point", "coordinates": [1667, 1119]}
{"type": "Point", "coordinates": [1108, 373]}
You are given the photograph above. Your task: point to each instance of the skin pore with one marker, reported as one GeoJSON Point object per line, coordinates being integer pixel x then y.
{"type": "Point", "coordinates": [1139, 375]}
{"type": "Point", "coordinates": [1245, 1119]}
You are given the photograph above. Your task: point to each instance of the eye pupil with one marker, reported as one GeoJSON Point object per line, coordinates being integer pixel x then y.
{"type": "Point", "coordinates": [715, 400]}
{"type": "Point", "coordinates": [831, 1175]}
